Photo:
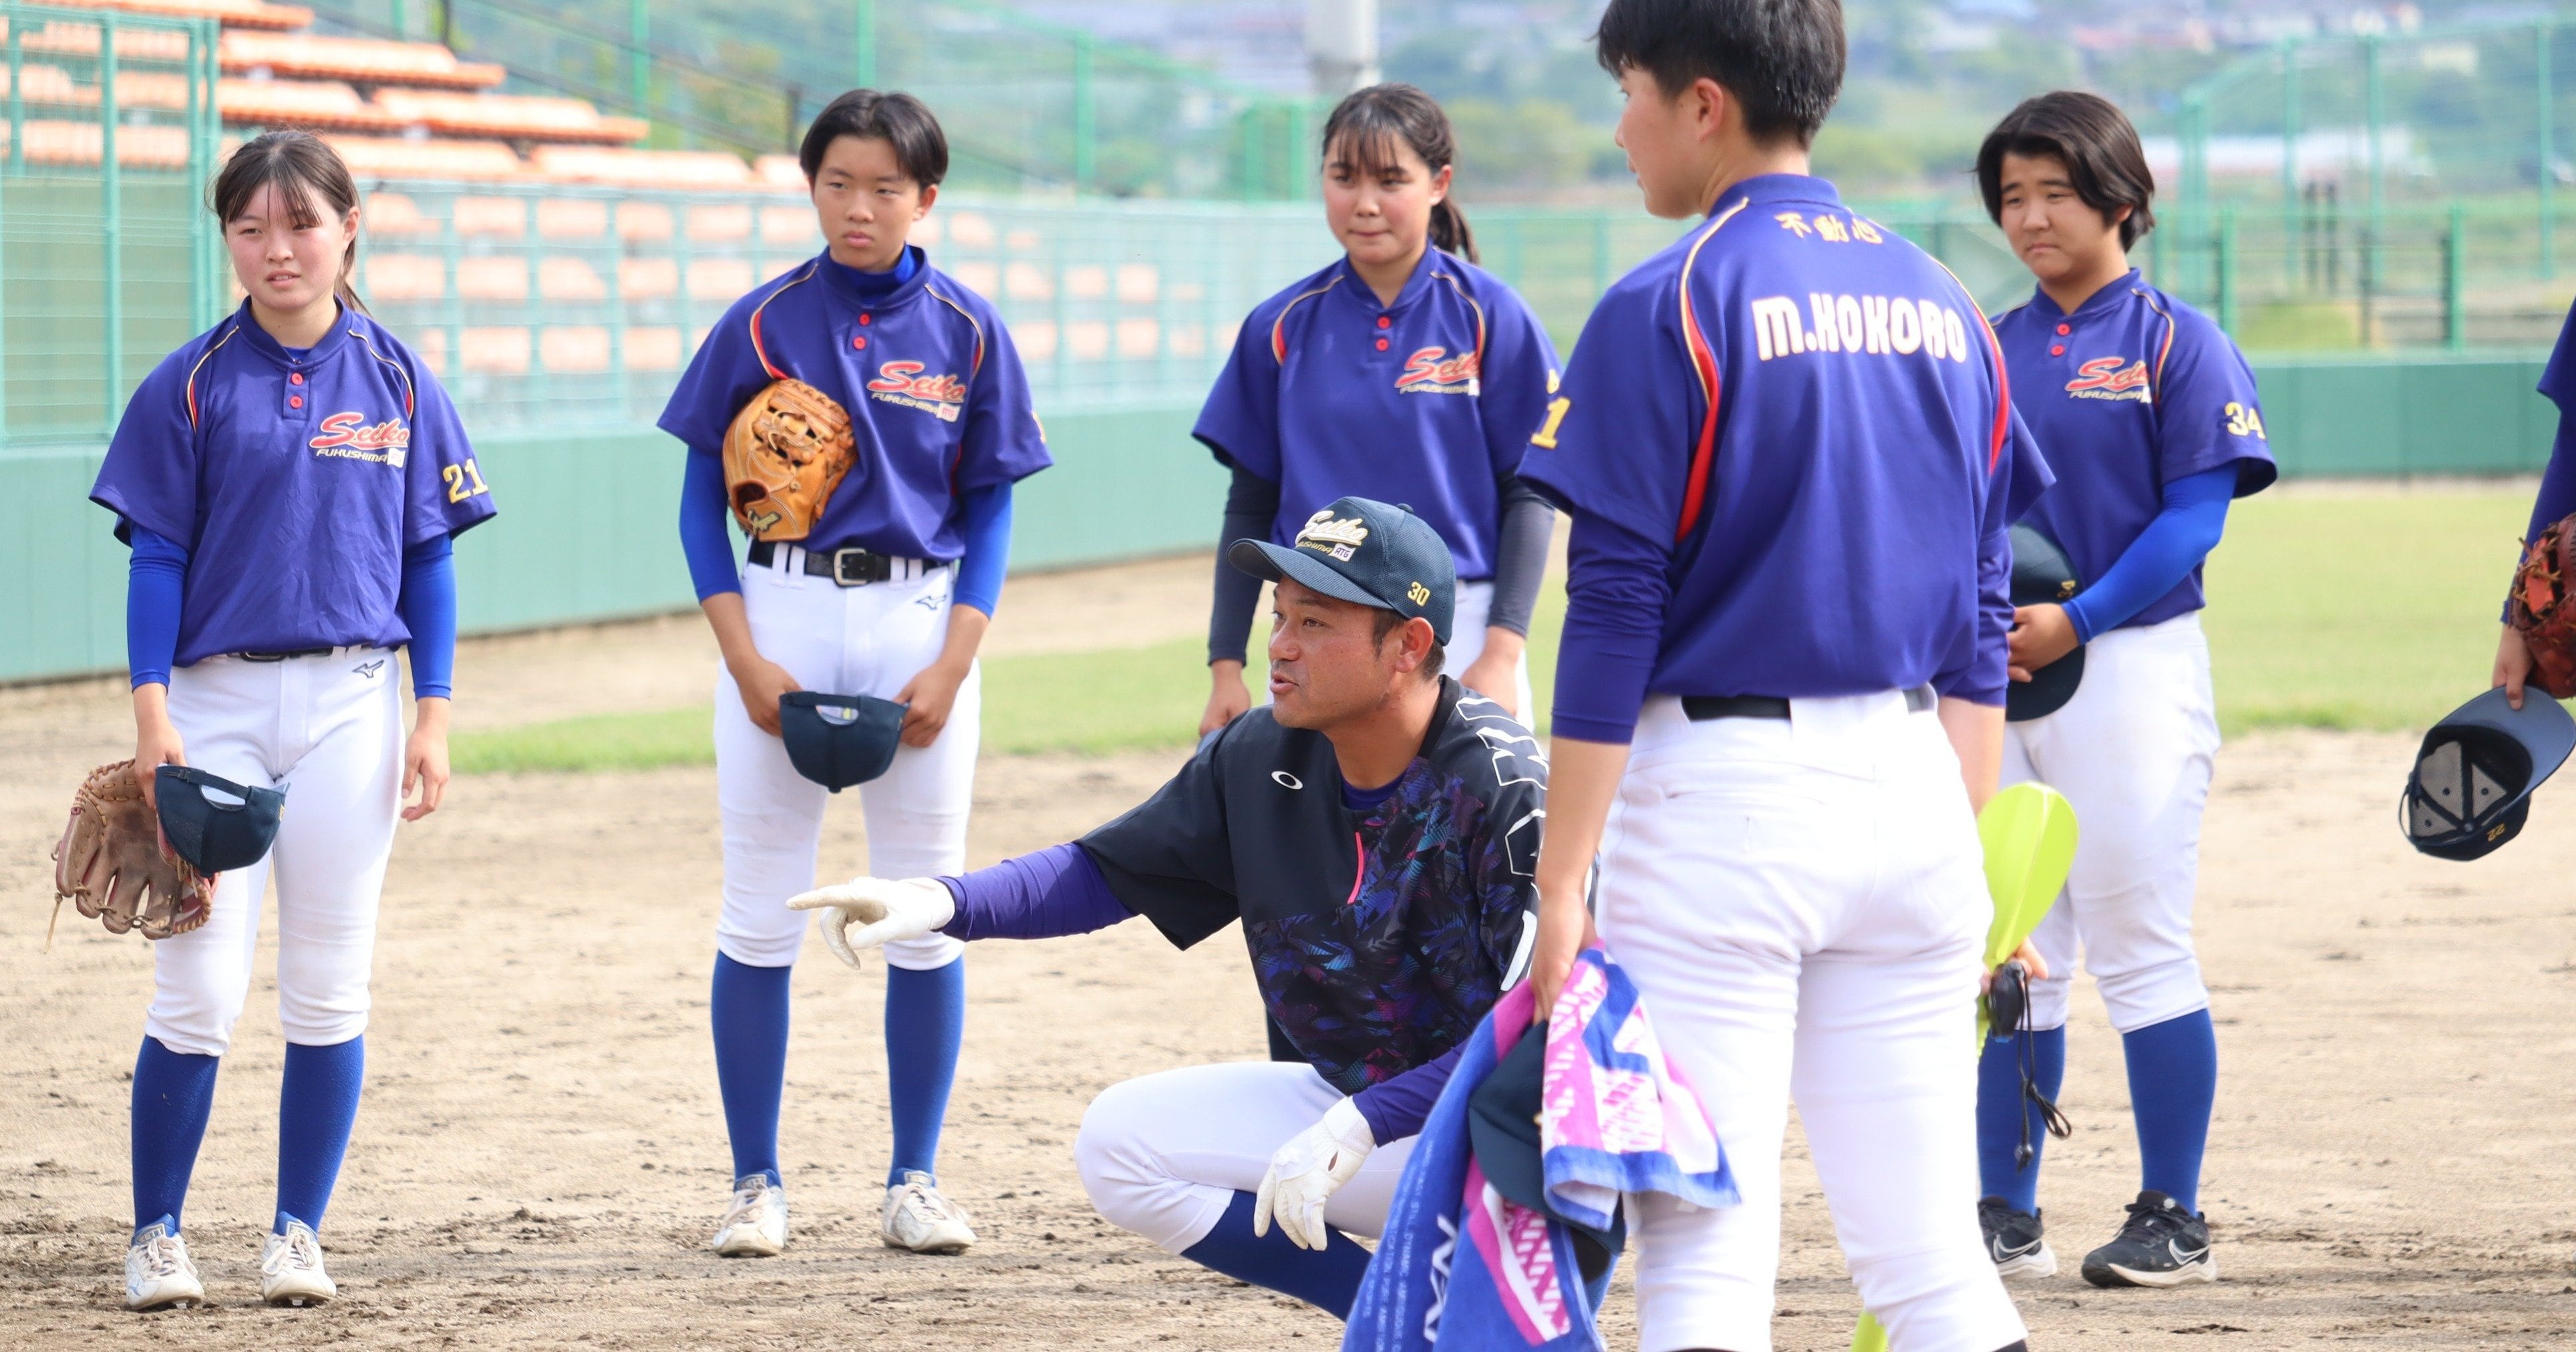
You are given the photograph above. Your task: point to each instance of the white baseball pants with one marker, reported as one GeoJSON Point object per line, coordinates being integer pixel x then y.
{"type": "Point", "coordinates": [1801, 902]}
{"type": "Point", "coordinates": [2132, 752]}
{"type": "Point", "coordinates": [1162, 1155]}
{"type": "Point", "coordinates": [328, 730]}
{"type": "Point", "coordinates": [868, 640]}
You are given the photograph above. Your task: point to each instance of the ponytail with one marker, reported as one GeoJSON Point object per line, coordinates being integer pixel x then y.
{"type": "Point", "coordinates": [1369, 123]}
{"type": "Point", "coordinates": [1449, 232]}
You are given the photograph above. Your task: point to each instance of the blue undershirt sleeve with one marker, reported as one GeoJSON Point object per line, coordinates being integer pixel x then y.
{"type": "Point", "coordinates": [2182, 534]}
{"type": "Point", "coordinates": [1616, 591]}
{"type": "Point", "coordinates": [155, 581]}
{"type": "Point", "coordinates": [428, 609]}
{"type": "Point", "coordinates": [1398, 1107]}
{"type": "Point", "coordinates": [1046, 895]}
{"type": "Point", "coordinates": [2558, 483]}
{"type": "Point", "coordinates": [703, 536]}
{"type": "Point", "coordinates": [988, 547]}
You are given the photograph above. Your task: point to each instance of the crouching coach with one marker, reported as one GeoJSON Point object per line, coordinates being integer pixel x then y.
{"type": "Point", "coordinates": [1374, 828]}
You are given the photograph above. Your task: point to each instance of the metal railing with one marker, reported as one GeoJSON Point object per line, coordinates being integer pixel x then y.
{"type": "Point", "coordinates": [111, 132]}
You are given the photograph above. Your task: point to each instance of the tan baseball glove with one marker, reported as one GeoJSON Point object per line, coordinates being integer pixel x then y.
{"type": "Point", "coordinates": [2543, 611]}
{"type": "Point", "coordinates": [111, 865]}
{"type": "Point", "coordinates": [785, 453]}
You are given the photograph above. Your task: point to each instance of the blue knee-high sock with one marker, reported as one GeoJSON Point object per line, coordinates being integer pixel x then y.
{"type": "Point", "coordinates": [173, 1095]}
{"type": "Point", "coordinates": [2173, 1080]}
{"type": "Point", "coordinates": [316, 1106]}
{"type": "Point", "coordinates": [1329, 1280]}
{"type": "Point", "coordinates": [748, 1006]}
{"type": "Point", "coordinates": [925, 1019]}
{"type": "Point", "coordinates": [1999, 1125]}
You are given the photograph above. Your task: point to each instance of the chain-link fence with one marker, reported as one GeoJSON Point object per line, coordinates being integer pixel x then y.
{"type": "Point", "coordinates": [105, 262]}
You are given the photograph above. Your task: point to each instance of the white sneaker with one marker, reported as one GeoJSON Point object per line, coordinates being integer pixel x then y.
{"type": "Point", "coordinates": [755, 1226]}
{"type": "Point", "coordinates": [290, 1268]}
{"type": "Point", "coordinates": [158, 1272]}
{"type": "Point", "coordinates": [917, 1218]}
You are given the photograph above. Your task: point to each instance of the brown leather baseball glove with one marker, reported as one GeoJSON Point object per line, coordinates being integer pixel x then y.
{"type": "Point", "coordinates": [111, 865]}
{"type": "Point", "coordinates": [2543, 611]}
{"type": "Point", "coordinates": [785, 453]}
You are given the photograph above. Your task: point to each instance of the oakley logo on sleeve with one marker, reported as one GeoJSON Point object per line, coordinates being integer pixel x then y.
{"type": "Point", "coordinates": [902, 382]}
{"type": "Point", "coordinates": [349, 436]}
{"type": "Point", "coordinates": [2107, 378]}
{"type": "Point", "coordinates": [1432, 370]}
{"type": "Point", "coordinates": [1867, 325]}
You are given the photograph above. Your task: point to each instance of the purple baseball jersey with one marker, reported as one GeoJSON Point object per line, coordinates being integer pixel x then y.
{"type": "Point", "coordinates": [2129, 393]}
{"type": "Point", "coordinates": [1427, 402]}
{"type": "Point", "coordinates": [937, 400]}
{"type": "Point", "coordinates": [296, 480]}
{"type": "Point", "coordinates": [1802, 423]}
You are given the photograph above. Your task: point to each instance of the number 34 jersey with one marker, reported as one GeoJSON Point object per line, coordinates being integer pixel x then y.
{"type": "Point", "coordinates": [2132, 391]}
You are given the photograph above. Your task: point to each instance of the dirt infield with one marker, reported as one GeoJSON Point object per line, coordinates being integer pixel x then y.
{"type": "Point", "coordinates": [539, 1159]}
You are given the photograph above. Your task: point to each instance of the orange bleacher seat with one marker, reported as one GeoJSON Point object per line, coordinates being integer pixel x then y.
{"type": "Point", "coordinates": [791, 225]}
{"type": "Point", "coordinates": [569, 279]}
{"type": "Point", "coordinates": [232, 13]}
{"type": "Point", "coordinates": [379, 157]}
{"type": "Point", "coordinates": [574, 348]}
{"type": "Point", "coordinates": [402, 276]}
{"type": "Point", "coordinates": [492, 278]}
{"type": "Point", "coordinates": [312, 104]}
{"type": "Point", "coordinates": [71, 37]}
{"type": "Point", "coordinates": [779, 171]}
{"type": "Point", "coordinates": [640, 168]}
{"type": "Point", "coordinates": [502, 351]}
{"type": "Point", "coordinates": [43, 84]}
{"type": "Point", "coordinates": [559, 218]}
{"type": "Point", "coordinates": [652, 349]}
{"type": "Point", "coordinates": [392, 213]}
{"type": "Point", "coordinates": [515, 117]}
{"type": "Point", "coordinates": [720, 278]}
{"type": "Point", "coordinates": [79, 143]}
{"type": "Point", "coordinates": [358, 60]}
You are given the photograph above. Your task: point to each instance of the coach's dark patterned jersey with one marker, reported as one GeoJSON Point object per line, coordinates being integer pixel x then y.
{"type": "Point", "coordinates": [1378, 937]}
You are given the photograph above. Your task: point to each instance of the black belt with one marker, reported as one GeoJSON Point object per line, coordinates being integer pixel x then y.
{"type": "Point", "coordinates": [280, 657]}
{"type": "Point", "coordinates": [849, 567]}
{"type": "Point", "coordinates": [1702, 708]}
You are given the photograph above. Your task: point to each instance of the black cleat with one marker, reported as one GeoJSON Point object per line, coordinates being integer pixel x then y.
{"type": "Point", "coordinates": [2162, 1245]}
{"type": "Point", "coordinates": [2012, 1240]}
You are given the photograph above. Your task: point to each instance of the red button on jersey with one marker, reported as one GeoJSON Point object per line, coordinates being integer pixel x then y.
{"type": "Point", "coordinates": [295, 401]}
{"type": "Point", "coordinates": [1381, 345]}
{"type": "Point", "coordinates": [1384, 322]}
{"type": "Point", "coordinates": [295, 378]}
{"type": "Point", "coordinates": [858, 340]}
{"type": "Point", "coordinates": [2064, 329]}
{"type": "Point", "coordinates": [2058, 351]}
{"type": "Point", "coordinates": [863, 319]}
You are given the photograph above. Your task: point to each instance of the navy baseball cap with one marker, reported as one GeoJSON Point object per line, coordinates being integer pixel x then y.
{"type": "Point", "coordinates": [839, 740]}
{"type": "Point", "coordinates": [2470, 790]}
{"type": "Point", "coordinates": [2041, 575]}
{"type": "Point", "coordinates": [1366, 553]}
{"type": "Point", "coordinates": [212, 822]}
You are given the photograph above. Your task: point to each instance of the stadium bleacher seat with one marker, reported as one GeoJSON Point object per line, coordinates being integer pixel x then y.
{"type": "Point", "coordinates": [231, 13]}
{"type": "Point", "coordinates": [315, 105]}
{"type": "Point", "coordinates": [372, 157]}
{"type": "Point", "coordinates": [366, 61]}
{"type": "Point", "coordinates": [80, 143]}
{"type": "Point", "coordinates": [42, 84]}
{"type": "Point", "coordinates": [509, 117]}
{"type": "Point", "coordinates": [640, 168]}
{"type": "Point", "coordinates": [72, 37]}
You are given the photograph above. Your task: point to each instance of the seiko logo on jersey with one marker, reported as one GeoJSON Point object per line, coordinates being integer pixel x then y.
{"type": "Point", "coordinates": [349, 436]}
{"type": "Point", "coordinates": [2106, 378]}
{"type": "Point", "coordinates": [902, 382]}
{"type": "Point", "coordinates": [1340, 539]}
{"type": "Point", "coordinates": [1869, 325]}
{"type": "Point", "coordinates": [1433, 371]}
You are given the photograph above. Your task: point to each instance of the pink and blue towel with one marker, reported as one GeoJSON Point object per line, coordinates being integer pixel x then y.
{"type": "Point", "coordinates": [1463, 1267]}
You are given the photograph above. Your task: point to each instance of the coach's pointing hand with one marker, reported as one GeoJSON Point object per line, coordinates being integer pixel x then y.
{"type": "Point", "coordinates": [1307, 1170]}
{"type": "Point", "coordinates": [886, 909]}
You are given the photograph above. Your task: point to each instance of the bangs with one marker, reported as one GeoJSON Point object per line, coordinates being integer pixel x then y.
{"type": "Point", "coordinates": [310, 180]}
{"type": "Point", "coordinates": [1367, 149]}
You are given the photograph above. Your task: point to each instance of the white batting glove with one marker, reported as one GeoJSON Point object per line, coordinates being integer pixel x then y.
{"type": "Point", "coordinates": [1308, 1170]}
{"type": "Point", "coordinates": [886, 909]}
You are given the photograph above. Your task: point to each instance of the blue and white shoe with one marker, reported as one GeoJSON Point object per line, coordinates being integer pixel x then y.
{"type": "Point", "coordinates": [290, 1268]}
{"type": "Point", "coordinates": [755, 1226]}
{"type": "Point", "coordinates": [2162, 1245]}
{"type": "Point", "coordinates": [158, 1272]}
